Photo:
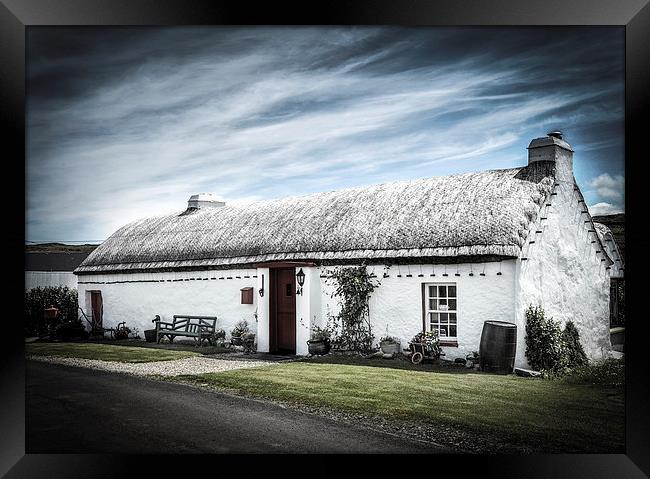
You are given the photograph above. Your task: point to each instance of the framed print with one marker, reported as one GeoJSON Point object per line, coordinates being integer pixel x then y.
{"type": "Point", "coordinates": [357, 229]}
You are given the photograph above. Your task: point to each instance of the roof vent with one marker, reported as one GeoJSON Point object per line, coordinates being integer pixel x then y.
{"type": "Point", "coordinates": [204, 200]}
{"type": "Point", "coordinates": [555, 134]}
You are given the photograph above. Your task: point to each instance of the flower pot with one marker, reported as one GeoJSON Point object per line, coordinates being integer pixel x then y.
{"type": "Point", "coordinates": [318, 346]}
{"type": "Point", "coordinates": [150, 335]}
{"type": "Point", "coordinates": [388, 347]}
{"type": "Point", "coordinates": [236, 340]}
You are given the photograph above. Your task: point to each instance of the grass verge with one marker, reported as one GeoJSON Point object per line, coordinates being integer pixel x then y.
{"type": "Point", "coordinates": [541, 415]}
{"type": "Point", "coordinates": [105, 352]}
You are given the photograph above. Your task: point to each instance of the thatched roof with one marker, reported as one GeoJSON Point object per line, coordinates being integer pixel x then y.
{"type": "Point", "coordinates": [473, 214]}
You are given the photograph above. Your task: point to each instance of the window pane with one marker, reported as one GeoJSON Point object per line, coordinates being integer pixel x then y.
{"type": "Point", "coordinates": [443, 331]}
{"type": "Point", "coordinates": [433, 317]}
{"type": "Point", "coordinates": [442, 291]}
{"type": "Point", "coordinates": [444, 317]}
{"type": "Point", "coordinates": [433, 304]}
{"type": "Point", "coordinates": [452, 304]}
{"type": "Point", "coordinates": [452, 291]}
{"type": "Point", "coordinates": [452, 331]}
{"type": "Point", "coordinates": [432, 291]}
{"type": "Point", "coordinates": [452, 318]}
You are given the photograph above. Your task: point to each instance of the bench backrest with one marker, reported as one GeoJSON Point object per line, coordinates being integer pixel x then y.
{"type": "Point", "coordinates": [194, 324]}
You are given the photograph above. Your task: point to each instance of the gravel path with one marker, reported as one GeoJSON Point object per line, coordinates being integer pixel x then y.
{"type": "Point", "coordinates": [177, 367]}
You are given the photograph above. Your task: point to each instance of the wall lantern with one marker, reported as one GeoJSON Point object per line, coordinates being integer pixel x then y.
{"type": "Point", "coordinates": [301, 280]}
{"type": "Point", "coordinates": [262, 288]}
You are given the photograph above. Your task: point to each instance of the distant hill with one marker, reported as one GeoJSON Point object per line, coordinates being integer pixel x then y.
{"type": "Point", "coordinates": [60, 248]}
{"type": "Point", "coordinates": [616, 223]}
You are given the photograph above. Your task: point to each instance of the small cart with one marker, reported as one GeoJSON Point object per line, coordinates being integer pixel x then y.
{"type": "Point", "coordinates": [419, 351]}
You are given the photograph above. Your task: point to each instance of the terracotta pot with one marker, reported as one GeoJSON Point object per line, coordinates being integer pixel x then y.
{"type": "Point", "coordinates": [236, 340]}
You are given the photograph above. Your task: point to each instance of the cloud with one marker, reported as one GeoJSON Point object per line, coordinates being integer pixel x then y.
{"type": "Point", "coordinates": [608, 186]}
{"type": "Point", "coordinates": [601, 209]}
{"type": "Point", "coordinates": [123, 128]}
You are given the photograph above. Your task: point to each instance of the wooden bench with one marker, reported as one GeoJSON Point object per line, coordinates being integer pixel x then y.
{"type": "Point", "coordinates": [197, 327]}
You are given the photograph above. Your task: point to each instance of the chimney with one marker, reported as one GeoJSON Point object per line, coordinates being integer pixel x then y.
{"type": "Point", "coordinates": [204, 200]}
{"type": "Point", "coordinates": [553, 148]}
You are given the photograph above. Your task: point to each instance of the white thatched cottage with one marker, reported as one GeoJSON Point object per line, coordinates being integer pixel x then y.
{"type": "Point", "coordinates": [462, 249]}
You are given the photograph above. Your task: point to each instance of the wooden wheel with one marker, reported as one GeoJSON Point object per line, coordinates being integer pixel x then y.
{"type": "Point", "coordinates": [416, 358]}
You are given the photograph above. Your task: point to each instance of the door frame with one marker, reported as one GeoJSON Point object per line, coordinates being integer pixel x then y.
{"type": "Point", "coordinates": [273, 318]}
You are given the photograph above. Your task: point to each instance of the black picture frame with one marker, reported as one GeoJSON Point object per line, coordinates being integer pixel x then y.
{"type": "Point", "coordinates": [634, 15]}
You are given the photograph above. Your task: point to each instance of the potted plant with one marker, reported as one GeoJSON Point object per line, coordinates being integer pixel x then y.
{"type": "Point", "coordinates": [319, 342]}
{"type": "Point", "coordinates": [472, 359]}
{"type": "Point", "coordinates": [150, 334]}
{"type": "Point", "coordinates": [238, 331]}
{"type": "Point", "coordinates": [248, 341]}
{"type": "Point", "coordinates": [122, 331]}
{"type": "Point", "coordinates": [389, 345]}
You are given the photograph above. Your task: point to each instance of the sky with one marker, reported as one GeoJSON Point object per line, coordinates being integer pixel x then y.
{"type": "Point", "coordinates": [129, 122]}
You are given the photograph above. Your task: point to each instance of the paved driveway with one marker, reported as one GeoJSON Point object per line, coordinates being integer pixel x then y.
{"type": "Point", "coordinates": [72, 409]}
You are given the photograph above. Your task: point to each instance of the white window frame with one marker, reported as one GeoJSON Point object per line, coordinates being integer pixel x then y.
{"type": "Point", "coordinates": [429, 312]}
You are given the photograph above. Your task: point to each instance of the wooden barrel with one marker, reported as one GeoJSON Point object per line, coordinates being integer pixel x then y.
{"type": "Point", "coordinates": [498, 347]}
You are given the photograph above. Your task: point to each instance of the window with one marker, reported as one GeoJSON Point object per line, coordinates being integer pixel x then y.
{"type": "Point", "coordinates": [440, 309]}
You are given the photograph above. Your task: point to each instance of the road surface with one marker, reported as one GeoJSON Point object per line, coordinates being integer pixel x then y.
{"type": "Point", "coordinates": [72, 409]}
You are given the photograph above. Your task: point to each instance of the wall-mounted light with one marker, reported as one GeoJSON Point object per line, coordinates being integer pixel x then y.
{"type": "Point", "coordinates": [262, 288]}
{"type": "Point", "coordinates": [301, 280]}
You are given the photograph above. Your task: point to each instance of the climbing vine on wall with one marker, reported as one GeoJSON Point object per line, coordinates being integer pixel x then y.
{"type": "Point", "coordinates": [352, 324]}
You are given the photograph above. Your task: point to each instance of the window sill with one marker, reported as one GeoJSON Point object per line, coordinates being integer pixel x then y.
{"type": "Point", "coordinates": [451, 344]}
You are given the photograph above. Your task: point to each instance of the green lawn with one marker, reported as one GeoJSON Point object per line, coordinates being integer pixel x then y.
{"type": "Point", "coordinates": [542, 415]}
{"type": "Point", "coordinates": [204, 349]}
{"type": "Point", "coordinates": [105, 352]}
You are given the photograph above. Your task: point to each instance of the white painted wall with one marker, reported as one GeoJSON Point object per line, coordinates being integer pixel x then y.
{"type": "Point", "coordinates": [137, 303]}
{"type": "Point", "coordinates": [564, 274]}
{"type": "Point", "coordinates": [396, 304]}
{"type": "Point", "coordinates": [43, 279]}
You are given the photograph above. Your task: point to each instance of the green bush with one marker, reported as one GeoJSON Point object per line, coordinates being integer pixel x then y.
{"type": "Point", "coordinates": [545, 349]}
{"type": "Point", "coordinates": [610, 372]}
{"type": "Point", "coordinates": [575, 355]}
{"type": "Point", "coordinates": [71, 330]}
{"type": "Point", "coordinates": [549, 348]}
{"type": "Point", "coordinates": [38, 299]}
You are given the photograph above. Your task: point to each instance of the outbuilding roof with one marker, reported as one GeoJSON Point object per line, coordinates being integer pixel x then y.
{"type": "Point", "coordinates": [53, 261]}
{"type": "Point", "coordinates": [473, 214]}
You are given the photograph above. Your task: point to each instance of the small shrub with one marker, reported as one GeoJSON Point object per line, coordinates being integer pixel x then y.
{"type": "Point", "coordinates": [240, 329]}
{"type": "Point", "coordinates": [71, 330]}
{"type": "Point", "coordinates": [37, 299]}
{"type": "Point", "coordinates": [219, 334]}
{"type": "Point", "coordinates": [610, 372]}
{"type": "Point", "coordinates": [320, 334]}
{"type": "Point", "coordinates": [389, 339]}
{"type": "Point", "coordinates": [575, 355]}
{"type": "Point", "coordinates": [545, 348]}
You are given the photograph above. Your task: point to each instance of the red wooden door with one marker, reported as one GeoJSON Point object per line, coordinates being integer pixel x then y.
{"type": "Point", "coordinates": [97, 307]}
{"type": "Point", "coordinates": [282, 327]}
